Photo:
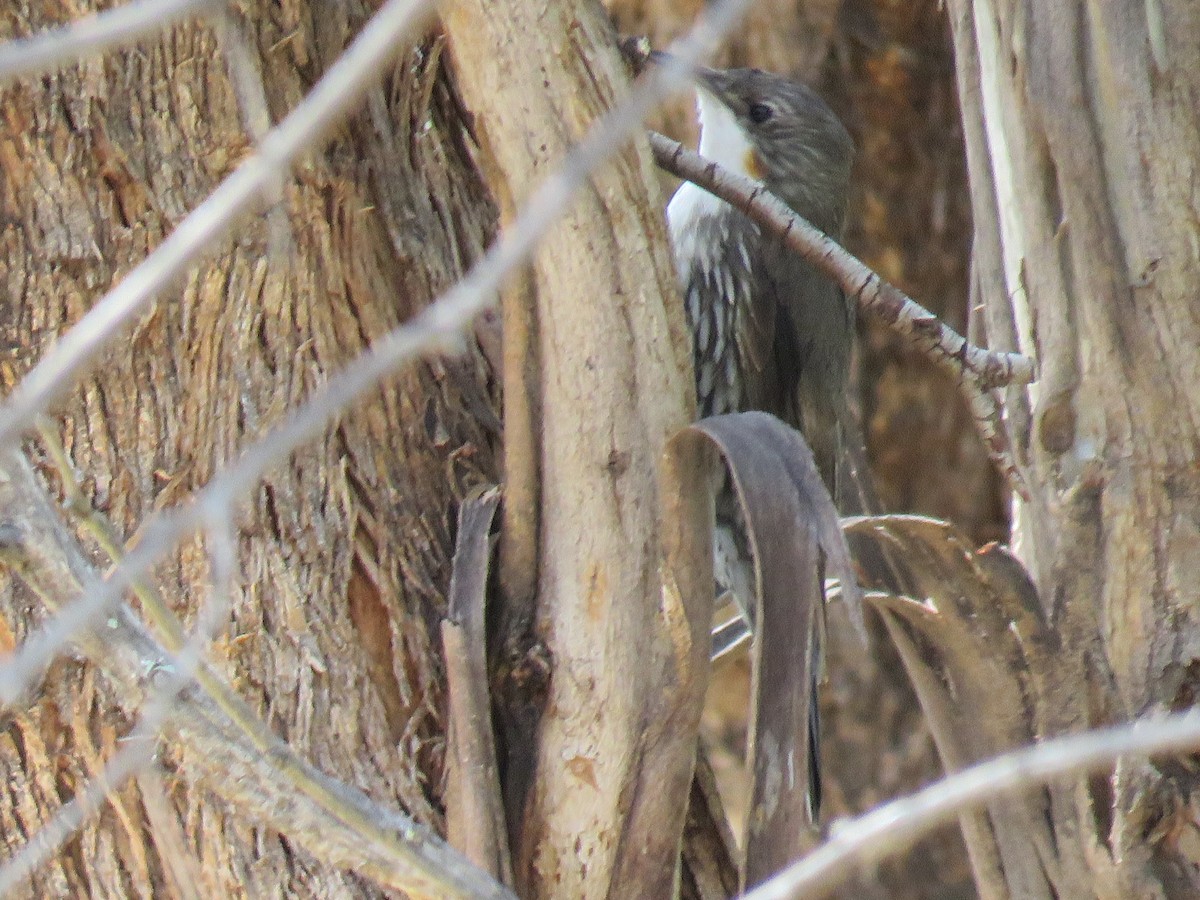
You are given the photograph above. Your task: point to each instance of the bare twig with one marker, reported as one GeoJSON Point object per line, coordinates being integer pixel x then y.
{"type": "Point", "coordinates": [331, 100]}
{"type": "Point", "coordinates": [137, 747]}
{"type": "Point", "coordinates": [117, 27]}
{"type": "Point", "coordinates": [894, 826]}
{"type": "Point", "coordinates": [978, 371]}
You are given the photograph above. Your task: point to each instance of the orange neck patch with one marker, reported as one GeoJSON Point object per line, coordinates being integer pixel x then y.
{"type": "Point", "coordinates": [754, 165]}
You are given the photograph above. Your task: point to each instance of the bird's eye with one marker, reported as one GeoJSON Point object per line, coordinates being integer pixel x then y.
{"type": "Point", "coordinates": [760, 112]}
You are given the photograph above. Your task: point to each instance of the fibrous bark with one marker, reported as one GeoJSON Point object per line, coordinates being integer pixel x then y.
{"type": "Point", "coordinates": [344, 550]}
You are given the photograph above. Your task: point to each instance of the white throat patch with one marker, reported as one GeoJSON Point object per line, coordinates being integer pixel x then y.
{"type": "Point", "coordinates": [723, 141]}
{"type": "Point", "coordinates": [721, 137]}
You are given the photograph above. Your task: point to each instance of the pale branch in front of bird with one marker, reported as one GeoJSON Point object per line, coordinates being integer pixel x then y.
{"type": "Point", "coordinates": [977, 371]}
{"type": "Point", "coordinates": [122, 26]}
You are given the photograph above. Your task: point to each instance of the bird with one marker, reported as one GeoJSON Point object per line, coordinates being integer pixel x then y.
{"type": "Point", "coordinates": [769, 332]}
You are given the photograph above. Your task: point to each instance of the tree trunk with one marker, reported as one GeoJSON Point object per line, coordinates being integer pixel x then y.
{"type": "Point", "coordinates": [1080, 121]}
{"type": "Point", "coordinates": [627, 631]}
{"type": "Point", "coordinates": [343, 551]}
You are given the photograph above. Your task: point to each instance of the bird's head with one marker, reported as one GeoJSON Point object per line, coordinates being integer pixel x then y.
{"type": "Point", "coordinates": [779, 132]}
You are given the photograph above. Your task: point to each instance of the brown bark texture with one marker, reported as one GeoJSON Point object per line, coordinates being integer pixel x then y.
{"type": "Point", "coordinates": [343, 550]}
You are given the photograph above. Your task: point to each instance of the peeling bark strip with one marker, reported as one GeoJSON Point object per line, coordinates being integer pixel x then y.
{"type": "Point", "coordinates": [615, 746]}
{"type": "Point", "coordinates": [978, 649]}
{"type": "Point", "coordinates": [788, 515]}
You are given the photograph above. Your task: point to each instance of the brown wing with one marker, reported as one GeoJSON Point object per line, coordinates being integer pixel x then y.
{"type": "Point", "coordinates": [813, 336]}
{"type": "Point", "coordinates": [757, 331]}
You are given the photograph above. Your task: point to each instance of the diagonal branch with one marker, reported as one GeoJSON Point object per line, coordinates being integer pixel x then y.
{"type": "Point", "coordinates": [978, 371]}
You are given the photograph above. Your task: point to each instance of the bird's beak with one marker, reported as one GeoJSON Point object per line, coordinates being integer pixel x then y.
{"type": "Point", "coordinates": [659, 57]}
{"type": "Point", "coordinates": [716, 82]}
{"type": "Point", "coordinates": [712, 81]}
